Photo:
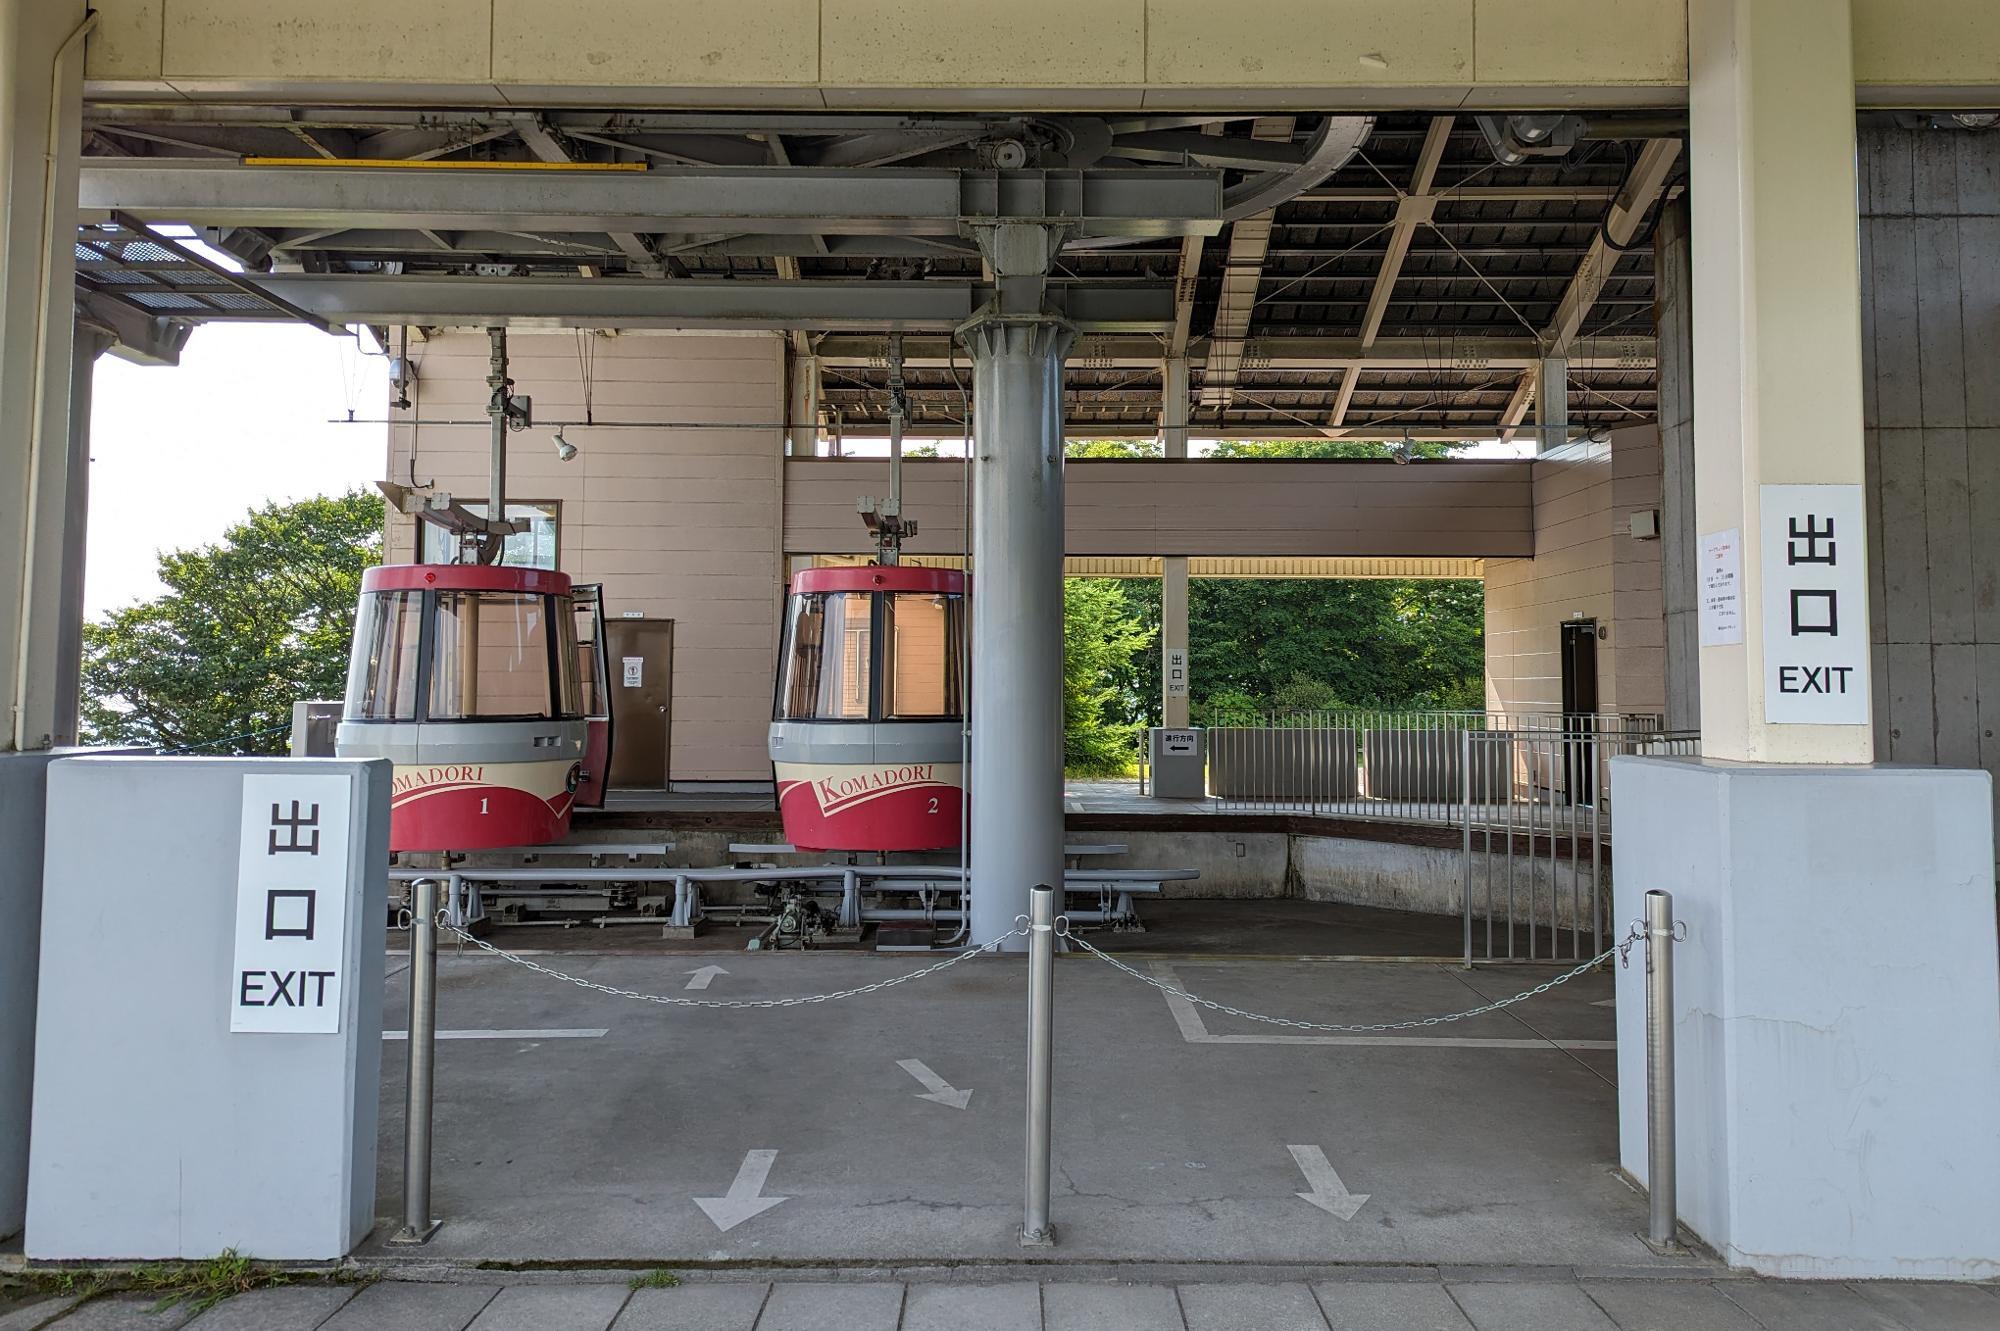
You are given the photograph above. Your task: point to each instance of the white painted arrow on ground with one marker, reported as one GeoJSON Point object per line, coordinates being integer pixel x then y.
{"type": "Point", "coordinates": [1605, 1002]}
{"type": "Point", "coordinates": [936, 1088]}
{"type": "Point", "coordinates": [704, 975]}
{"type": "Point", "coordinates": [745, 1199]}
{"type": "Point", "coordinates": [1328, 1193]}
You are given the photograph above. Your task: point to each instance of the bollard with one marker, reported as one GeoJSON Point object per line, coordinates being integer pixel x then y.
{"type": "Point", "coordinates": [417, 1223]}
{"type": "Point", "coordinates": [1036, 1231]}
{"type": "Point", "coordinates": [1661, 1230]}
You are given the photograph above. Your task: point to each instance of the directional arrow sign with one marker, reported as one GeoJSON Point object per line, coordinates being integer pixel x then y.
{"type": "Point", "coordinates": [745, 1198]}
{"type": "Point", "coordinates": [1328, 1193]}
{"type": "Point", "coordinates": [703, 976]}
{"type": "Point", "coordinates": [936, 1088]}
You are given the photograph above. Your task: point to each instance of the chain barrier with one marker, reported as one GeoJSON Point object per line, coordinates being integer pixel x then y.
{"type": "Point", "coordinates": [226, 739]}
{"type": "Point", "coordinates": [675, 1000]}
{"type": "Point", "coordinates": [1621, 949]}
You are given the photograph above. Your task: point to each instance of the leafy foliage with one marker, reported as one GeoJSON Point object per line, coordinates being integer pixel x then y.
{"type": "Point", "coordinates": [1262, 644]}
{"type": "Point", "coordinates": [246, 627]}
{"type": "Point", "coordinates": [1307, 449]}
{"type": "Point", "coordinates": [1102, 639]}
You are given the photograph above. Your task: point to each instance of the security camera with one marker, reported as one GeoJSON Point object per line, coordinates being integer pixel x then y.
{"type": "Point", "coordinates": [565, 450]}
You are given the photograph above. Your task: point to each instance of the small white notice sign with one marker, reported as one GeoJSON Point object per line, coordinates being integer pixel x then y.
{"type": "Point", "coordinates": [1815, 561]}
{"type": "Point", "coordinates": [635, 670]}
{"type": "Point", "coordinates": [1174, 672]}
{"type": "Point", "coordinates": [1721, 588]}
{"type": "Point", "coordinates": [291, 905]}
{"type": "Point", "coordinates": [1177, 741]}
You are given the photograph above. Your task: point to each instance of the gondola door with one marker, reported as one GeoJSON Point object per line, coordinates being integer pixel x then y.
{"type": "Point", "coordinates": [1579, 705]}
{"type": "Point", "coordinates": [594, 680]}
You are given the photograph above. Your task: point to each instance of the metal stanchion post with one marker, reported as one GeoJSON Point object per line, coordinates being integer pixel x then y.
{"type": "Point", "coordinates": [418, 1226]}
{"type": "Point", "coordinates": [1660, 1166]}
{"type": "Point", "coordinates": [1036, 1231]}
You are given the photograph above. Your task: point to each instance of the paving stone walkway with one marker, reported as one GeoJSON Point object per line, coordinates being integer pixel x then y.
{"type": "Point", "coordinates": [1419, 1299]}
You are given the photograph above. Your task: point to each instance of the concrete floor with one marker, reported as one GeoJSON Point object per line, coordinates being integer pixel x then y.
{"type": "Point", "coordinates": [1493, 1144]}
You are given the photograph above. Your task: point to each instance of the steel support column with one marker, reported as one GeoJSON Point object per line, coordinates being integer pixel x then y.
{"type": "Point", "coordinates": [1017, 605]}
{"type": "Point", "coordinates": [89, 345]}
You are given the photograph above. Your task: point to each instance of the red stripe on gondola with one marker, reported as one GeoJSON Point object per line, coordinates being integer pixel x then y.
{"type": "Point", "coordinates": [465, 578]}
{"type": "Point", "coordinates": [876, 578]}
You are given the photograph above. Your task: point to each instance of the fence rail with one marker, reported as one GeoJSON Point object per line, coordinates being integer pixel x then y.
{"type": "Point", "coordinates": [1405, 765]}
{"type": "Point", "coordinates": [1535, 824]}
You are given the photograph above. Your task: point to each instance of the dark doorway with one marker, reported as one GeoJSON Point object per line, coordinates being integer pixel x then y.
{"type": "Point", "coordinates": [1579, 704]}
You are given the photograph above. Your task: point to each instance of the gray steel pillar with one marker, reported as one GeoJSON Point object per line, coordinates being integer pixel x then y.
{"type": "Point", "coordinates": [1552, 404]}
{"type": "Point", "coordinates": [89, 345]}
{"type": "Point", "coordinates": [1174, 568]}
{"type": "Point", "coordinates": [497, 409]}
{"type": "Point", "coordinates": [1017, 592]}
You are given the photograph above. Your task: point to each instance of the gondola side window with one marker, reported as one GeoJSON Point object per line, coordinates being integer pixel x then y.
{"type": "Point", "coordinates": [827, 659]}
{"type": "Point", "coordinates": [490, 657]}
{"type": "Point", "coordinates": [382, 667]}
{"type": "Point", "coordinates": [920, 665]}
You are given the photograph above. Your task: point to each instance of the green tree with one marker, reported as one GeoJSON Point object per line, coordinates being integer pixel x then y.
{"type": "Point", "coordinates": [1112, 448]}
{"type": "Point", "coordinates": [1102, 638]}
{"type": "Point", "coordinates": [1308, 449]}
{"type": "Point", "coordinates": [247, 626]}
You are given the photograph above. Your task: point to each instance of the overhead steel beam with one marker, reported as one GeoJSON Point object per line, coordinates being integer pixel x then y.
{"type": "Point", "coordinates": [1242, 275]}
{"type": "Point", "coordinates": [729, 200]}
{"type": "Point", "coordinates": [556, 302]}
{"type": "Point", "coordinates": [548, 148]}
{"type": "Point", "coordinates": [1412, 210]}
{"type": "Point", "coordinates": [1468, 194]}
{"type": "Point", "coordinates": [1517, 405]}
{"type": "Point", "coordinates": [842, 351]}
{"type": "Point", "coordinates": [1641, 191]}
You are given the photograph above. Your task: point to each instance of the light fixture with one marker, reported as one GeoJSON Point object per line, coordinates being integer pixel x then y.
{"type": "Point", "coordinates": [565, 450]}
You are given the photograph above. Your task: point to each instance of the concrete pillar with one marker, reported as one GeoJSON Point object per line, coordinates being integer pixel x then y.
{"type": "Point", "coordinates": [88, 345]}
{"type": "Point", "coordinates": [1174, 568]}
{"type": "Point", "coordinates": [1672, 274]}
{"type": "Point", "coordinates": [41, 64]}
{"type": "Point", "coordinates": [1016, 781]}
{"type": "Point", "coordinates": [1552, 404]}
{"type": "Point", "coordinates": [1777, 330]}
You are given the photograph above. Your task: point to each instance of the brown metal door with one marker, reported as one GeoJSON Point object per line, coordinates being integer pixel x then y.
{"type": "Point", "coordinates": [642, 701]}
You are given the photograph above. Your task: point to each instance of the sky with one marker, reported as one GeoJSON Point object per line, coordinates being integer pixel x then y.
{"type": "Point", "coordinates": [178, 454]}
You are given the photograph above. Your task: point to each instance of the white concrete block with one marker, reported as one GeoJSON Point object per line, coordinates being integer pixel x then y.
{"type": "Point", "coordinates": [1837, 1011]}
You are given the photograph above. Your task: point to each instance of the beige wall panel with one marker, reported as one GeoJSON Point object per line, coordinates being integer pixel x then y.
{"type": "Point", "coordinates": [1333, 43]}
{"type": "Point", "coordinates": [960, 43]}
{"type": "Point", "coordinates": [669, 43]}
{"type": "Point", "coordinates": [126, 42]}
{"type": "Point", "coordinates": [1529, 42]}
{"type": "Point", "coordinates": [391, 41]}
{"type": "Point", "coordinates": [1244, 508]}
{"type": "Point", "coordinates": [1932, 44]}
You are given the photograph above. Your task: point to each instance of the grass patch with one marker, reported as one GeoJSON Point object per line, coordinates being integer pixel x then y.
{"type": "Point", "coordinates": [202, 1285]}
{"type": "Point", "coordinates": [655, 1280]}
{"type": "Point", "coordinates": [199, 1285]}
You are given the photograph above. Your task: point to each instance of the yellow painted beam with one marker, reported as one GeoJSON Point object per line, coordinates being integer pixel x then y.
{"type": "Point", "coordinates": [454, 165]}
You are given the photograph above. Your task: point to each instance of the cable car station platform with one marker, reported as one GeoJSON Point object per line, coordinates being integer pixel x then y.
{"type": "Point", "coordinates": [754, 381]}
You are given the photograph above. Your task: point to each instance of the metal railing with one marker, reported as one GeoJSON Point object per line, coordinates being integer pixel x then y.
{"type": "Point", "coordinates": [1395, 764]}
{"type": "Point", "coordinates": [1534, 814]}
